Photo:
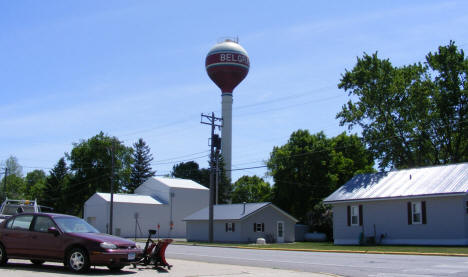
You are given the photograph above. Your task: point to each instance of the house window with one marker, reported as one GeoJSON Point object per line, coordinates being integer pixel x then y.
{"type": "Point", "coordinates": [416, 212]}
{"type": "Point", "coordinates": [230, 227]}
{"type": "Point", "coordinates": [354, 215]}
{"type": "Point", "coordinates": [259, 227]}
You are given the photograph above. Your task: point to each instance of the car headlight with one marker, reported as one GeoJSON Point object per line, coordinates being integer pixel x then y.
{"type": "Point", "coordinates": [107, 245]}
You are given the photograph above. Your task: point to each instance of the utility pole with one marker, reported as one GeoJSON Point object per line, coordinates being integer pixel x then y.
{"type": "Point", "coordinates": [111, 213]}
{"type": "Point", "coordinates": [211, 121]}
{"type": "Point", "coordinates": [217, 144]}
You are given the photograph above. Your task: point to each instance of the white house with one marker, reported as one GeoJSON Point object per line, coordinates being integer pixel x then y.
{"type": "Point", "coordinates": [426, 206]}
{"type": "Point", "coordinates": [162, 202]}
{"type": "Point", "coordinates": [242, 223]}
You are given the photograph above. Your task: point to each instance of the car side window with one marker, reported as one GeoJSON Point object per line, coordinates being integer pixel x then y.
{"type": "Point", "coordinates": [42, 224]}
{"type": "Point", "coordinates": [22, 222]}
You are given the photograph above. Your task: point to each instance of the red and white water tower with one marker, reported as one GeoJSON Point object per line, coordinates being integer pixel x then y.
{"type": "Point", "coordinates": [227, 64]}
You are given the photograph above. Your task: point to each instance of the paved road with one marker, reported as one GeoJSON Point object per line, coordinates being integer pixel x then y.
{"type": "Point", "coordinates": [181, 268]}
{"type": "Point", "coordinates": [335, 263]}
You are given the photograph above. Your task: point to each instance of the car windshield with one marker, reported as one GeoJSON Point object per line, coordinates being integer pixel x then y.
{"type": "Point", "coordinates": [74, 225]}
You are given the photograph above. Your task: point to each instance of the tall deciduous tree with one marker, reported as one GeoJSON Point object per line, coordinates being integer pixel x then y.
{"type": "Point", "coordinates": [14, 182]}
{"type": "Point", "coordinates": [251, 189]}
{"type": "Point", "coordinates": [91, 165]}
{"type": "Point", "coordinates": [310, 167]}
{"type": "Point", "coordinates": [14, 168]}
{"type": "Point", "coordinates": [412, 115]}
{"type": "Point", "coordinates": [33, 186]}
{"type": "Point", "coordinates": [192, 171]}
{"type": "Point", "coordinates": [141, 167]}
{"type": "Point", "coordinates": [56, 187]}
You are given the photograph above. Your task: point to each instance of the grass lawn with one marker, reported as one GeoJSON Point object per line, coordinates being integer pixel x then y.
{"type": "Point", "coordinates": [328, 246]}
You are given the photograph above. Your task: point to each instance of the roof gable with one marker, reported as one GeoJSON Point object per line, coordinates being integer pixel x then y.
{"type": "Point", "coordinates": [233, 211]}
{"type": "Point", "coordinates": [434, 180]}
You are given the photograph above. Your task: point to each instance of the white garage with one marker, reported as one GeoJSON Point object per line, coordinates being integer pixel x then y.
{"type": "Point", "coordinates": [158, 201]}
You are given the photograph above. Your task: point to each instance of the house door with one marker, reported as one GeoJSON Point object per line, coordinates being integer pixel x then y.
{"type": "Point", "coordinates": [280, 231]}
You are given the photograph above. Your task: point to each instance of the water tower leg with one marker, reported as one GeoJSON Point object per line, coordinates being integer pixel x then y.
{"type": "Point", "coordinates": [226, 133]}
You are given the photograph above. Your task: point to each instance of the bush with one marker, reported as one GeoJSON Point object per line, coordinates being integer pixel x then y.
{"type": "Point", "coordinates": [321, 220]}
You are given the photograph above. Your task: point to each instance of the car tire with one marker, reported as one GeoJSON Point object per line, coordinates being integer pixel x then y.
{"type": "Point", "coordinates": [3, 255]}
{"type": "Point", "coordinates": [115, 267]}
{"type": "Point", "coordinates": [77, 260]}
{"type": "Point", "coordinates": [37, 262]}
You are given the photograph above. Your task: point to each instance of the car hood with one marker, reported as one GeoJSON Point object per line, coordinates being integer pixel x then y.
{"type": "Point", "coordinates": [99, 237]}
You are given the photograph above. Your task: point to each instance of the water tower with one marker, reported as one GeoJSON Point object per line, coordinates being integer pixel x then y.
{"type": "Point", "coordinates": [227, 64]}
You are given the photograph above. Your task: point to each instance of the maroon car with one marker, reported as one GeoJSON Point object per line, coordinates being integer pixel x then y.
{"type": "Point", "coordinates": [41, 237]}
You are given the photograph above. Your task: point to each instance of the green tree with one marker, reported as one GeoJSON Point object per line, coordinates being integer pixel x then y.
{"type": "Point", "coordinates": [141, 167]}
{"type": "Point", "coordinates": [13, 186]}
{"type": "Point", "coordinates": [251, 189]}
{"type": "Point", "coordinates": [191, 170]}
{"type": "Point", "coordinates": [91, 165]}
{"type": "Point", "coordinates": [34, 183]}
{"type": "Point", "coordinates": [412, 115]}
{"type": "Point", "coordinates": [310, 167]}
{"type": "Point", "coordinates": [56, 187]}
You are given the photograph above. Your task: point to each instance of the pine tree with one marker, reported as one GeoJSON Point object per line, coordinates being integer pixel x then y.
{"type": "Point", "coordinates": [141, 168]}
{"type": "Point", "coordinates": [55, 187]}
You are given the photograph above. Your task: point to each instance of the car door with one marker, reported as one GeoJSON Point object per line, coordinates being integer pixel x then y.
{"type": "Point", "coordinates": [16, 236]}
{"type": "Point", "coordinates": [44, 245]}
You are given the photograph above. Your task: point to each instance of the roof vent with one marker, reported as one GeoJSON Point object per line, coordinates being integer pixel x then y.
{"type": "Point", "coordinates": [244, 209]}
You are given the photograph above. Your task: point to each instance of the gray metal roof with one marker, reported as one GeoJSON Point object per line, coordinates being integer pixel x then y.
{"type": "Point", "coordinates": [234, 211]}
{"type": "Point", "coordinates": [434, 180]}
{"type": "Point", "coordinates": [227, 211]}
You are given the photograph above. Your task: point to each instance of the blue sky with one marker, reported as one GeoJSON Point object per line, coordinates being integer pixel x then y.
{"type": "Point", "coordinates": [69, 69]}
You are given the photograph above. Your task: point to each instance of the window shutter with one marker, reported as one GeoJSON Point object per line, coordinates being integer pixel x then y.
{"type": "Point", "coordinates": [255, 225]}
{"type": "Point", "coordinates": [423, 211]}
{"type": "Point", "coordinates": [349, 216]}
{"type": "Point", "coordinates": [226, 227]}
{"type": "Point", "coordinates": [263, 227]}
{"type": "Point", "coordinates": [409, 213]}
{"type": "Point", "coordinates": [360, 215]}
{"type": "Point", "coordinates": [233, 227]}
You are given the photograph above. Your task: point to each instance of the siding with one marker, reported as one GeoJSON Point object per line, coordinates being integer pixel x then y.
{"type": "Point", "coordinates": [184, 203]}
{"type": "Point", "coordinates": [446, 222]}
{"type": "Point", "coordinates": [465, 200]}
{"type": "Point", "coordinates": [96, 207]}
{"type": "Point", "coordinates": [198, 231]}
{"type": "Point", "coordinates": [269, 216]}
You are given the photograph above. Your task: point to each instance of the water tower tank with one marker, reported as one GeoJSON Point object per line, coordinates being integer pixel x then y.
{"type": "Point", "coordinates": [227, 64]}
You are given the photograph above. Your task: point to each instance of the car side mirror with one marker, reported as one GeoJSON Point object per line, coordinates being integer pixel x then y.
{"type": "Point", "coordinates": [53, 230]}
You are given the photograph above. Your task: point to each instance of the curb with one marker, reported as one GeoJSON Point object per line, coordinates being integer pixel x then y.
{"type": "Point", "coordinates": [338, 251]}
{"type": "Point", "coordinates": [360, 252]}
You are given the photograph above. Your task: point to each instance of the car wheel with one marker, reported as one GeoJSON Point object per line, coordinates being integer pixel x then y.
{"type": "Point", "coordinates": [77, 260]}
{"type": "Point", "coordinates": [3, 255]}
{"type": "Point", "coordinates": [37, 262]}
{"type": "Point", "coordinates": [116, 267]}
